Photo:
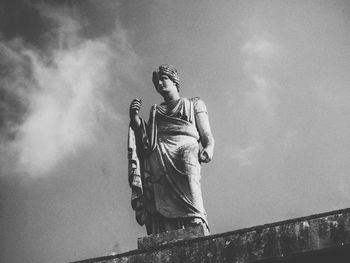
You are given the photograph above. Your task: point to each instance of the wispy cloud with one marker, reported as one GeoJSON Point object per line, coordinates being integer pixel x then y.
{"type": "Point", "coordinates": [60, 94]}
{"type": "Point", "coordinates": [259, 54]}
{"type": "Point", "coordinates": [245, 155]}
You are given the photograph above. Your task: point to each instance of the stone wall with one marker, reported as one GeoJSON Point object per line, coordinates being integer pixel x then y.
{"type": "Point", "coordinates": [317, 238]}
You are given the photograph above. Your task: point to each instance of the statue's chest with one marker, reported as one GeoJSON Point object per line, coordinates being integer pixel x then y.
{"type": "Point", "coordinates": [182, 110]}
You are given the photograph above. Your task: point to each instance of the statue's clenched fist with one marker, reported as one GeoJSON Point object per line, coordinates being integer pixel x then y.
{"type": "Point", "coordinates": [135, 106]}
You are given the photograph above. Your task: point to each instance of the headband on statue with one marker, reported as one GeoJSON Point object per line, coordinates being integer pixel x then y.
{"type": "Point", "coordinates": [168, 70]}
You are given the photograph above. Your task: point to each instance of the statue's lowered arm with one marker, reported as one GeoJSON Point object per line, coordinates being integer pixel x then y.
{"type": "Point", "coordinates": [206, 137]}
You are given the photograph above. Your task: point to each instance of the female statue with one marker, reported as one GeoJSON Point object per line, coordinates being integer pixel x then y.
{"type": "Point", "coordinates": [165, 157]}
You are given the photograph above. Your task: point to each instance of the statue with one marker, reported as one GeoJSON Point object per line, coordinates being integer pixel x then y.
{"type": "Point", "coordinates": [165, 157]}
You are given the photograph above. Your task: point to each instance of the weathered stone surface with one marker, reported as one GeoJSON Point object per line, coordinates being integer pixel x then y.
{"type": "Point", "coordinates": [317, 238]}
{"type": "Point", "coordinates": [171, 237]}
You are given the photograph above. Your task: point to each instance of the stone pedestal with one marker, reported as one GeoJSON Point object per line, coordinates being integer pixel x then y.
{"type": "Point", "coordinates": [157, 240]}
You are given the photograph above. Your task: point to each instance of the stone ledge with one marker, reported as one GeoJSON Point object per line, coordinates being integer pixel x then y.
{"type": "Point", "coordinates": [317, 237]}
{"type": "Point", "coordinates": [157, 240]}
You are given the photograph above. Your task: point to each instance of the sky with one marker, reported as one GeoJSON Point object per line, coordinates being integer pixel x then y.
{"type": "Point", "coordinates": [275, 78]}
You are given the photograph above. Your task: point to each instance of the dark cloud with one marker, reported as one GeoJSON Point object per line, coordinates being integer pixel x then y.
{"type": "Point", "coordinates": [24, 25]}
{"type": "Point", "coordinates": [21, 18]}
{"type": "Point", "coordinates": [12, 105]}
{"type": "Point", "coordinates": [26, 20]}
{"type": "Point", "coordinates": [11, 114]}
{"type": "Point", "coordinates": [50, 92]}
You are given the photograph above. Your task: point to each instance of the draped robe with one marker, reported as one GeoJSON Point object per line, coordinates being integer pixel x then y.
{"type": "Point", "coordinates": [170, 170]}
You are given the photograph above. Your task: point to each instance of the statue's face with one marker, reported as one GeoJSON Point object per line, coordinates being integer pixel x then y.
{"type": "Point", "coordinates": [165, 85]}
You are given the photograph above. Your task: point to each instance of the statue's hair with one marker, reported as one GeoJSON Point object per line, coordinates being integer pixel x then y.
{"type": "Point", "coordinates": [168, 70]}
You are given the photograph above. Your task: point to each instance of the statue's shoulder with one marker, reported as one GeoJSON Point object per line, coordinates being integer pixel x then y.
{"type": "Point", "coordinates": [196, 100]}
{"type": "Point", "coordinates": [199, 105]}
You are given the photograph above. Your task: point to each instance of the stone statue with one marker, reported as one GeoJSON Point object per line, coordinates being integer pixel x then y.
{"type": "Point", "coordinates": [165, 157]}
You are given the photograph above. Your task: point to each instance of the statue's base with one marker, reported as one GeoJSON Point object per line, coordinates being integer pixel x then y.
{"type": "Point", "coordinates": [171, 237]}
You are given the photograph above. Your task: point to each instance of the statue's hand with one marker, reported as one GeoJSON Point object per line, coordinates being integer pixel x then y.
{"type": "Point", "coordinates": [206, 154]}
{"type": "Point", "coordinates": [135, 106]}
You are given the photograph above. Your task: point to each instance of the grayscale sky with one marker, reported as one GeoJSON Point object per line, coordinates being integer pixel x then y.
{"type": "Point", "coordinates": [275, 78]}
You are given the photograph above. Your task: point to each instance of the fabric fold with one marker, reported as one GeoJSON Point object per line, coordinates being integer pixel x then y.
{"type": "Point", "coordinates": [135, 178]}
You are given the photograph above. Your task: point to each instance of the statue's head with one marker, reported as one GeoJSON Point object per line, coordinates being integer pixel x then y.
{"type": "Point", "coordinates": [168, 70]}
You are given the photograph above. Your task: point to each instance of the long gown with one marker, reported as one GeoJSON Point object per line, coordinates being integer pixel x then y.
{"type": "Point", "coordinates": [171, 196]}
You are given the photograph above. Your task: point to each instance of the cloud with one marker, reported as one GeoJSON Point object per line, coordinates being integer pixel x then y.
{"type": "Point", "coordinates": [259, 54]}
{"type": "Point", "coordinates": [244, 155]}
{"type": "Point", "coordinates": [260, 50]}
{"type": "Point", "coordinates": [57, 96]}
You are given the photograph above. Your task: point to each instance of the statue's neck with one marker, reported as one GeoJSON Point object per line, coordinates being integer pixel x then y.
{"type": "Point", "coordinates": [171, 97]}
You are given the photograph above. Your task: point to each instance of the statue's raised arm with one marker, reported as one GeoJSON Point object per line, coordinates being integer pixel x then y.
{"type": "Point", "coordinates": [134, 110]}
